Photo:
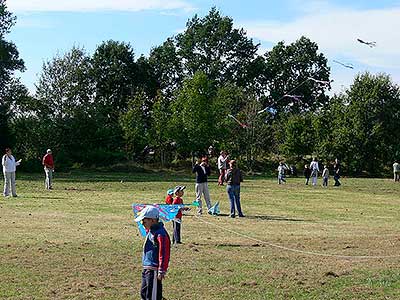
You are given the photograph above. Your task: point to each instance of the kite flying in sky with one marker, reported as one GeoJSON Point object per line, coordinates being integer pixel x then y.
{"type": "Point", "coordinates": [243, 125]}
{"type": "Point", "coordinates": [350, 66]}
{"type": "Point", "coordinates": [371, 44]}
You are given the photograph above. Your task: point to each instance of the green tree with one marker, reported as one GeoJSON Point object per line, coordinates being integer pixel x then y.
{"type": "Point", "coordinates": [213, 46]}
{"type": "Point", "coordinates": [288, 69]}
{"type": "Point", "coordinates": [9, 63]}
{"type": "Point", "coordinates": [115, 76]}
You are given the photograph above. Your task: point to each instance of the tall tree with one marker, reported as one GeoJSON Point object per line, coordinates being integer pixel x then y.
{"type": "Point", "coordinates": [288, 72]}
{"type": "Point", "coordinates": [9, 63]}
{"type": "Point", "coordinates": [213, 46]}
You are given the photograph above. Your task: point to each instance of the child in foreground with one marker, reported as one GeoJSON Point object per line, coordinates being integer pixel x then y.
{"type": "Point", "coordinates": [156, 253]}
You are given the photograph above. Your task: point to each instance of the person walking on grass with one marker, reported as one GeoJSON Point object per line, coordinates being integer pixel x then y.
{"type": "Point", "coordinates": [325, 176]}
{"type": "Point", "coordinates": [156, 254]}
{"type": "Point", "coordinates": [396, 171]}
{"type": "Point", "coordinates": [233, 179]}
{"type": "Point", "coordinates": [202, 170]}
{"type": "Point", "coordinates": [336, 172]}
{"type": "Point", "coordinates": [307, 173]}
{"type": "Point", "coordinates": [314, 171]}
{"type": "Point", "coordinates": [9, 167]}
{"type": "Point", "coordinates": [48, 165]}
{"type": "Point", "coordinates": [282, 168]}
{"type": "Point", "coordinates": [177, 222]}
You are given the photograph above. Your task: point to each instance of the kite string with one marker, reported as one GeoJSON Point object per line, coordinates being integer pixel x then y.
{"type": "Point", "coordinates": [296, 250]}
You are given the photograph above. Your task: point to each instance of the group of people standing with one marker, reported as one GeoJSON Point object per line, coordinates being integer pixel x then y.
{"type": "Point", "coordinates": [311, 171]}
{"type": "Point", "coordinates": [10, 164]}
{"type": "Point", "coordinates": [232, 175]}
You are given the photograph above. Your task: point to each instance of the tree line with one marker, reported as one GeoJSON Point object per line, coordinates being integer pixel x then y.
{"type": "Point", "coordinates": [207, 86]}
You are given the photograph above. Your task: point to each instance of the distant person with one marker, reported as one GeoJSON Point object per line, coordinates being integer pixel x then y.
{"type": "Point", "coordinates": [48, 164]}
{"type": "Point", "coordinates": [282, 168]}
{"type": "Point", "coordinates": [156, 253]}
{"type": "Point", "coordinates": [293, 170]}
{"type": "Point", "coordinates": [179, 192]}
{"type": "Point", "coordinates": [9, 168]}
{"type": "Point", "coordinates": [396, 171]}
{"type": "Point", "coordinates": [202, 170]}
{"type": "Point", "coordinates": [233, 179]}
{"type": "Point", "coordinates": [222, 166]}
{"type": "Point", "coordinates": [314, 171]}
{"type": "Point", "coordinates": [307, 173]}
{"type": "Point", "coordinates": [325, 176]}
{"type": "Point", "coordinates": [336, 172]}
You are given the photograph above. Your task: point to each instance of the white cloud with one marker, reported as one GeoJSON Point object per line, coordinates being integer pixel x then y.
{"type": "Point", "coordinates": [336, 30]}
{"type": "Point", "coordinates": [96, 5]}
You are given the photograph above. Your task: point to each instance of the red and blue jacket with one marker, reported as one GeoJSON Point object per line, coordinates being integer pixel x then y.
{"type": "Point", "coordinates": [178, 200]}
{"type": "Point", "coordinates": [156, 249]}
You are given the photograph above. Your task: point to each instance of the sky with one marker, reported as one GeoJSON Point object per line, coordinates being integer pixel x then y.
{"type": "Point", "coordinates": [47, 28]}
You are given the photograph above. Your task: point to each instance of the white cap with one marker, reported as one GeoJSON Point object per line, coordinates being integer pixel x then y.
{"type": "Point", "coordinates": [149, 211]}
{"type": "Point", "coordinates": [48, 151]}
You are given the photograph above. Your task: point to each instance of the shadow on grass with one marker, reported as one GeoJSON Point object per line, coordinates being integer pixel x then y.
{"type": "Point", "coordinates": [274, 218]}
{"type": "Point", "coordinates": [45, 197]}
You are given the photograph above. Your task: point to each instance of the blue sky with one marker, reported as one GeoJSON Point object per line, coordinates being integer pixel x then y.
{"type": "Point", "coordinates": [46, 28]}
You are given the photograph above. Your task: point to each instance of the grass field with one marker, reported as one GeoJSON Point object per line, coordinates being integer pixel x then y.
{"type": "Point", "coordinates": [296, 242]}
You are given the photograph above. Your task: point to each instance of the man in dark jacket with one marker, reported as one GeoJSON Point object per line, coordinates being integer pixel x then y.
{"type": "Point", "coordinates": [233, 179]}
{"type": "Point", "coordinates": [202, 170]}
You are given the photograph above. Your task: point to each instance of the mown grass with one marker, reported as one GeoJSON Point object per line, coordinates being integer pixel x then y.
{"type": "Point", "coordinates": [296, 242]}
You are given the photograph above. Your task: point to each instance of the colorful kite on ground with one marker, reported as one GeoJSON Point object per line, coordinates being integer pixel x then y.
{"type": "Point", "coordinates": [214, 210]}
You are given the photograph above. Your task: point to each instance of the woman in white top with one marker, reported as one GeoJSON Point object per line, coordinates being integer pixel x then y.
{"type": "Point", "coordinates": [9, 168]}
{"type": "Point", "coordinates": [314, 171]}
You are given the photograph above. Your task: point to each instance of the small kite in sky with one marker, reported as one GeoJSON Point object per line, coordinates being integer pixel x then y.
{"type": "Point", "coordinates": [295, 97]}
{"type": "Point", "coordinates": [350, 66]}
{"type": "Point", "coordinates": [371, 44]}
{"type": "Point", "coordinates": [243, 125]}
{"type": "Point", "coordinates": [319, 81]}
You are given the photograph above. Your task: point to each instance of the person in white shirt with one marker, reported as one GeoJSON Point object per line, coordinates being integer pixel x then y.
{"type": "Point", "coordinates": [222, 166]}
{"type": "Point", "coordinates": [314, 171]}
{"type": "Point", "coordinates": [9, 168]}
{"type": "Point", "coordinates": [396, 171]}
{"type": "Point", "coordinates": [281, 172]}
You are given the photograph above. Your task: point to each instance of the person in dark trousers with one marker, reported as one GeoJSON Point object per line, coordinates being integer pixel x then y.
{"type": "Point", "coordinates": [202, 170]}
{"type": "Point", "coordinates": [233, 179]}
{"type": "Point", "coordinates": [179, 192]}
{"type": "Point", "coordinates": [336, 172]}
{"type": "Point", "coordinates": [307, 173]}
{"type": "Point", "coordinates": [156, 254]}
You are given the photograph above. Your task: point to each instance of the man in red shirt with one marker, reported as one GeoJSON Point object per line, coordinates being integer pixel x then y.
{"type": "Point", "coordinates": [48, 164]}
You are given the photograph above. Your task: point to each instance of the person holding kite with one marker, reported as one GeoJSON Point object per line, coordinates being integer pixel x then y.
{"type": "Point", "coordinates": [156, 253]}
{"type": "Point", "coordinates": [177, 221]}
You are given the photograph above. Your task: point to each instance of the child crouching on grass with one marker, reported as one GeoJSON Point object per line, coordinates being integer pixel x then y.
{"type": "Point", "coordinates": [179, 191]}
{"type": "Point", "coordinates": [156, 253]}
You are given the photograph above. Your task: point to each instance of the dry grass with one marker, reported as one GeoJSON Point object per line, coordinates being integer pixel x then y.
{"type": "Point", "coordinates": [79, 242]}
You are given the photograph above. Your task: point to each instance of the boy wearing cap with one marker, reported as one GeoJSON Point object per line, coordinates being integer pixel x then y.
{"type": "Point", "coordinates": [179, 191]}
{"type": "Point", "coordinates": [156, 253]}
{"type": "Point", "coordinates": [48, 164]}
{"type": "Point", "coordinates": [170, 196]}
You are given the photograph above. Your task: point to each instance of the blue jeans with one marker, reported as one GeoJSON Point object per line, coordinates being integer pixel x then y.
{"type": "Point", "coordinates": [234, 198]}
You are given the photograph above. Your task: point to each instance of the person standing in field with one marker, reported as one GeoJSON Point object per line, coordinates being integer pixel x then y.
{"type": "Point", "coordinates": [233, 179]}
{"type": "Point", "coordinates": [9, 168]}
{"type": "Point", "coordinates": [222, 166]}
{"type": "Point", "coordinates": [282, 168]}
{"type": "Point", "coordinates": [156, 254]}
{"type": "Point", "coordinates": [314, 171]}
{"type": "Point", "coordinates": [336, 172]}
{"type": "Point", "coordinates": [48, 164]}
{"type": "Point", "coordinates": [307, 173]}
{"type": "Point", "coordinates": [202, 170]}
{"type": "Point", "coordinates": [325, 176]}
{"type": "Point", "coordinates": [396, 171]}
